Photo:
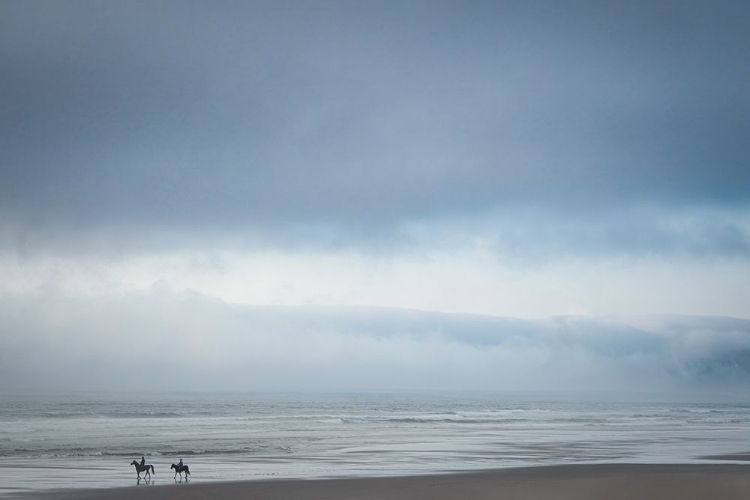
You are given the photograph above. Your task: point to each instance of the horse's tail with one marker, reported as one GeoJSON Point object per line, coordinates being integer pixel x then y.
{"type": "Point", "coordinates": [152, 469]}
{"type": "Point", "coordinates": [187, 470]}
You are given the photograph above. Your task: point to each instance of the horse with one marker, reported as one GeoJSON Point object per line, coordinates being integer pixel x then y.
{"type": "Point", "coordinates": [178, 469]}
{"type": "Point", "coordinates": [140, 468]}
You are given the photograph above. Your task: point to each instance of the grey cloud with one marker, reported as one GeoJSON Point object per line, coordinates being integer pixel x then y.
{"type": "Point", "coordinates": [338, 115]}
{"type": "Point", "coordinates": [150, 340]}
{"type": "Point", "coordinates": [537, 235]}
{"type": "Point", "coordinates": [517, 236]}
{"type": "Point", "coordinates": [636, 231]}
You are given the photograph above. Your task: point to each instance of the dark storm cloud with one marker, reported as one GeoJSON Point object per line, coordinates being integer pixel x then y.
{"type": "Point", "coordinates": [278, 115]}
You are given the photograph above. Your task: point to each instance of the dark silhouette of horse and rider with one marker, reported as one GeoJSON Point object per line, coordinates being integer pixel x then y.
{"type": "Point", "coordinates": [179, 469]}
{"type": "Point", "coordinates": [143, 467]}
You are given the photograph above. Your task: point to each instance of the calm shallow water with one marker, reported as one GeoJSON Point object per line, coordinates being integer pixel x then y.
{"type": "Point", "coordinates": [88, 440]}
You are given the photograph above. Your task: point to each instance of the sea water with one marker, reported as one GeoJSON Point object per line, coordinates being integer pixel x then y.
{"type": "Point", "coordinates": [89, 440]}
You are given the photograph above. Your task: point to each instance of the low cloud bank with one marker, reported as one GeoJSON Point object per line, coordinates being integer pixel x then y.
{"type": "Point", "coordinates": [187, 342]}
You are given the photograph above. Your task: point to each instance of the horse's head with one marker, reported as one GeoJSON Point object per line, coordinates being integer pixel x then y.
{"type": "Point", "coordinates": [134, 463]}
{"type": "Point", "coordinates": [173, 466]}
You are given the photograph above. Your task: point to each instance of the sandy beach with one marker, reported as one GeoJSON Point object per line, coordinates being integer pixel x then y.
{"type": "Point", "coordinates": [579, 482]}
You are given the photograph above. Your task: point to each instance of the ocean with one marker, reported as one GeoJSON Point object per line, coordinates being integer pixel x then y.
{"type": "Point", "coordinates": [89, 440]}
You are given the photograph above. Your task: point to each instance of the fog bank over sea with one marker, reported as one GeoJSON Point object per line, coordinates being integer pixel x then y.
{"type": "Point", "coordinates": [190, 343]}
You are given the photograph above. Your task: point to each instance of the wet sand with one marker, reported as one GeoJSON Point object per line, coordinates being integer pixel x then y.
{"type": "Point", "coordinates": [579, 482]}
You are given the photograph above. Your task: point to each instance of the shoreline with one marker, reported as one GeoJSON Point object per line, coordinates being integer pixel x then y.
{"type": "Point", "coordinates": [580, 482]}
{"type": "Point", "coordinates": [737, 457]}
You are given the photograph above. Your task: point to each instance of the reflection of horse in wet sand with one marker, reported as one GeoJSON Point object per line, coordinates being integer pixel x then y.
{"type": "Point", "coordinates": [148, 468]}
{"type": "Point", "coordinates": [179, 469]}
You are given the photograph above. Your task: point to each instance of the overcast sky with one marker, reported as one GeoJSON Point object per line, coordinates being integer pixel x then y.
{"type": "Point", "coordinates": [503, 159]}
